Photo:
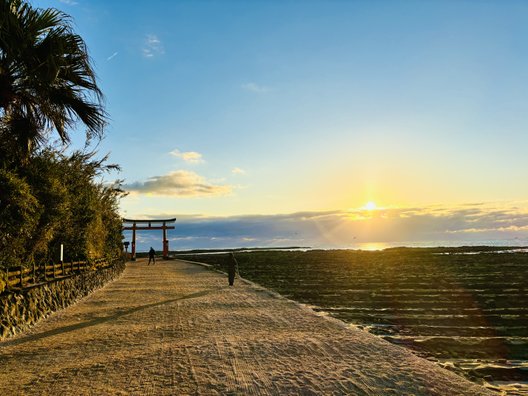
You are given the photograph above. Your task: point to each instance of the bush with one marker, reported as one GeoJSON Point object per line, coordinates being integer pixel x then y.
{"type": "Point", "coordinates": [58, 199]}
{"type": "Point", "coordinates": [20, 212]}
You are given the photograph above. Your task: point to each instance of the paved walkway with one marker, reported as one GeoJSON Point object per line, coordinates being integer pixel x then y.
{"type": "Point", "coordinates": [177, 328]}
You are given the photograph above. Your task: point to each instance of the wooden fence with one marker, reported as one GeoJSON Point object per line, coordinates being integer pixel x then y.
{"type": "Point", "coordinates": [20, 277]}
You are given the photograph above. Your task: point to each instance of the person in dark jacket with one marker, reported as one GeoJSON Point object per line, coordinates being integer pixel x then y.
{"type": "Point", "coordinates": [232, 269]}
{"type": "Point", "coordinates": [152, 256]}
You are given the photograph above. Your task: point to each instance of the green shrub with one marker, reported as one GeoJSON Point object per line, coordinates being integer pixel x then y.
{"type": "Point", "coordinates": [20, 212]}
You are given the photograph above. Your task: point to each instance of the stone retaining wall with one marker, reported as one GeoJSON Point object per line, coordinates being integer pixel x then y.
{"type": "Point", "coordinates": [22, 309]}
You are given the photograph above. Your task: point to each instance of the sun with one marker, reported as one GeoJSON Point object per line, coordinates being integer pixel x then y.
{"type": "Point", "coordinates": [370, 206]}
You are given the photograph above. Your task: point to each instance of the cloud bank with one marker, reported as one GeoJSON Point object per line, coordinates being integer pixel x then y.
{"type": "Point", "coordinates": [180, 183]}
{"type": "Point", "coordinates": [428, 226]}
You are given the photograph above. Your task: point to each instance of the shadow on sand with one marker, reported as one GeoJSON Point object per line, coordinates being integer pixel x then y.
{"type": "Point", "coordinates": [96, 321]}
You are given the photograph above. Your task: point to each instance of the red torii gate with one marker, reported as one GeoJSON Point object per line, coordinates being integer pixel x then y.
{"type": "Point", "coordinates": [163, 227]}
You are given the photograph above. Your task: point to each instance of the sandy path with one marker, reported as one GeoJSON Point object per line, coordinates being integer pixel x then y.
{"type": "Point", "coordinates": [176, 328]}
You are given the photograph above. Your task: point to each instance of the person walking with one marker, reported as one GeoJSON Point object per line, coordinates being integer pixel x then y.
{"type": "Point", "coordinates": [232, 269]}
{"type": "Point", "coordinates": [152, 256]}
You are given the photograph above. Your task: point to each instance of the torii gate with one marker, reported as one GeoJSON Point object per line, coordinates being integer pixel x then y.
{"type": "Point", "coordinates": [163, 227]}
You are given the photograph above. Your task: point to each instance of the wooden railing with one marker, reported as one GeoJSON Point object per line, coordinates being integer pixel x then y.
{"type": "Point", "coordinates": [21, 277]}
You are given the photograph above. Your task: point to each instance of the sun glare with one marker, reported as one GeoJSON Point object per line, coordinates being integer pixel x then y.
{"type": "Point", "coordinates": [370, 206]}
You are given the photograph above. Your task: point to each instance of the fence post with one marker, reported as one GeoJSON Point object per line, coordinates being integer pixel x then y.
{"type": "Point", "coordinates": [21, 277]}
{"type": "Point", "coordinates": [62, 267]}
{"type": "Point", "coordinates": [71, 266]}
{"type": "Point", "coordinates": [44, 268]}
{"type": "Point", "coordinates": [7, 279]}
{"type": "Point", "coordinates": [53, 264]}
{"type": "Point", "coordinates": [34, 274]}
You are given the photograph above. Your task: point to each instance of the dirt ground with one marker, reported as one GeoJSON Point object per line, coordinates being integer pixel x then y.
{"type": "Point", "coordinates": [177, 328]}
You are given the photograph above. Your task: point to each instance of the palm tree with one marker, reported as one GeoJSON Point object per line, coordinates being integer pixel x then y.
{"type": "Point", "coordinates": [46, 78]}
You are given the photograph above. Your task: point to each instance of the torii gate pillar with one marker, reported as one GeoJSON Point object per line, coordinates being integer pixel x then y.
{"type": "Point", "coordinates": [133, 252]}
{"type": "Point", "coordinates": [165, 242]}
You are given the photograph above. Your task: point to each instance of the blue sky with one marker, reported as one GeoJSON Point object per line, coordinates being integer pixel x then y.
{"type": "Point", "coordinates": [258, 111]}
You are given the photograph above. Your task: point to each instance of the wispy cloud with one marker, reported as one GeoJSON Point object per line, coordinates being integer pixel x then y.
{"type": "Point", "coordinates": [256, 88]}
{"type": "Point", "coordinates": [180, 183]}
{"type": "Point", "coordinates": [152, 46]}
{"type": "Point", "coordinates": [192, 157]}
{"type": "Point", "coordinates": [238, 171]}
{"type": "Point", "coordinates": [69, 2]}
{"type": "Point", "coordinates": [112, 56]}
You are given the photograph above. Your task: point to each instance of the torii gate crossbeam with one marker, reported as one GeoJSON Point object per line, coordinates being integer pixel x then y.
{"type": "Point", "coordinates": [162, 226]}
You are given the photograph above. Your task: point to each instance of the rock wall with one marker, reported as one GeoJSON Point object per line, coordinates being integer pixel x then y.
{"type": "Point", "coordinates": [22, 309]}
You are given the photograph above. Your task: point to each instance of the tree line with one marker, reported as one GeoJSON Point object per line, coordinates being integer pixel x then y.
{"type": "Point", "coordinates": [50, 194]}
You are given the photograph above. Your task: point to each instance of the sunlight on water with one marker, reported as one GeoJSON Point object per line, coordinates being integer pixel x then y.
{"type": "Point", "coordinates": [371, 246]}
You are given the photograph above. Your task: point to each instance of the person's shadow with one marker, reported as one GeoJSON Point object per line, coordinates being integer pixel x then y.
{"type": "Point", "coordinates": [96, 321]}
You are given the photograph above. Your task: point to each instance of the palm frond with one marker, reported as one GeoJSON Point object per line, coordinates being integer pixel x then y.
{"type": "Point", "coordinates": [46, 73]}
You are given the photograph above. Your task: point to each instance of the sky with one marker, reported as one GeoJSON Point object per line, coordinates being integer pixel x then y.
{"type": "Point", "coordinates": [315, 123]}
